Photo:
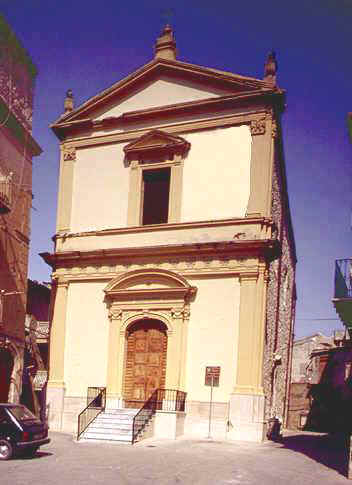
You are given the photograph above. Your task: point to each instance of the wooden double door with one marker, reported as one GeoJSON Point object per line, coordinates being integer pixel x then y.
{"type": "Point", "coordinates": [146, 361]}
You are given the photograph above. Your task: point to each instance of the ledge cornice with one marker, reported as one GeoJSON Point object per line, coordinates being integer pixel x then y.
{"type": "Point", "coordinates": [262, 221]}
{"type": "Point", "coordinates": [240, 100]}
{"type": "Point", "coordinates": [264, 248]}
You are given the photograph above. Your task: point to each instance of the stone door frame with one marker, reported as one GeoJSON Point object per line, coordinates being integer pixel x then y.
{"type": "Point", "coordinates": [154, 294]}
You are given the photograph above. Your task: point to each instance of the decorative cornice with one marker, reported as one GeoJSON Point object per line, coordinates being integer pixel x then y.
{"type": "Point", "coordinates": [59, 281]}
{"type": "Point", "coordinates": [125, 136]}
{"type": "Point", "coordinates": [241, 221]}
{"type": "Point", "coordinates": [115, 314]}
{"type": "Point", "coordinates": [69, 153]}
{"type": "Point", "coordinates": [258, 126]}
{"type": "Point", "coordinates": [252, 99]}
{"type": "Point", "coordinates": [191, 260]}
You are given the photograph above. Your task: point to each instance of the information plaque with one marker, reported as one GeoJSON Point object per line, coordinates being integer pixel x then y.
{"type": "Point", "coordinates": [212, 376]}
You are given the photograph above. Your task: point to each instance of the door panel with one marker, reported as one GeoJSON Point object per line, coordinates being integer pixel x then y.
{"type": "Point", "coordinates": [146, 361]}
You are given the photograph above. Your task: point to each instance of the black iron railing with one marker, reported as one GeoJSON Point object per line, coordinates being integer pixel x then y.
{"type": "Point", "coordinates": [144, 415]}
{"type": "Point", "coordinates": [96, 399]}
{"type": "Point", "coordinates": [343, 278]}
{"type": "Point", "coordinates": [160, 400]}
{"type": "Point", "coordinates": [94, 394]}
{"type": "Point", "coordinates": [171, 400]}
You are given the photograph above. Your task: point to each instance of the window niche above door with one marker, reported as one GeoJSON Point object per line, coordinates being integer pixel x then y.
{"type": "Point", "coordinates": [156, 165]}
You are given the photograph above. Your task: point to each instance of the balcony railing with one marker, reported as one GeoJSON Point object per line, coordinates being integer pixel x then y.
{"type": "Point", "coordinates": [343, 278]}
{"type": "Point", "coordinates": [5, 193]}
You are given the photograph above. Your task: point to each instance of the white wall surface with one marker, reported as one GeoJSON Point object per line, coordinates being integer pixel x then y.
{"type": "Point", "coordinates": [213, 337]}
{"type": "Point", "coordinates": [100, 189]}
{"type": "Point", "coordinates": [216, 178]}
{"type": "Point", "coordinates": [162, 92]}
{"type": "Point", "coordinates": [86, 343]}
{"type": "Point", "coordinates": [216, 181]}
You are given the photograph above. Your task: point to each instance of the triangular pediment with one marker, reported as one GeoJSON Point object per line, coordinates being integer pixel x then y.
{"type": "Point", "coordinates": [156, 141]}
{"type": "Point", "coordinates": [160, 83]}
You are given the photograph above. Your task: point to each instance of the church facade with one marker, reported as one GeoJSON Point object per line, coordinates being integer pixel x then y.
{"type": "Point", "coordinates": [174, 249]}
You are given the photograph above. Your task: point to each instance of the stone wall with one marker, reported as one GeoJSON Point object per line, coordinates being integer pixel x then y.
{"type": "Point", "coordinates": [280, 300]}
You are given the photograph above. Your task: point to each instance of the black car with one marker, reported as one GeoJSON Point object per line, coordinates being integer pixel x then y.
{"type": "Point", "coordinates": [20, 431]}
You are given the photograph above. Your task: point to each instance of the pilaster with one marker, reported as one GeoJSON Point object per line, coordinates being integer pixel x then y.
{"type": "Point", "coordinates": [115, 359]}
{"type": "Point", "coordinates": [247, 402]}
{"type": "Point", "coordinates": [64, 207]}
{"type": "Point", "coordinates": [175, 197]}
{"type": "Point", "coordinates": [262, 152]}
{"type": "Point", "coordinates": [56, 384]}
{"type": "Point", "coordinates": [134, 195]}
{"type": "Point", "coordinates": [176, 349]}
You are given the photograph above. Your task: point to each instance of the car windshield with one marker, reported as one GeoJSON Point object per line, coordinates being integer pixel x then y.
{"type": "Point", "coordinates": [22, 413]}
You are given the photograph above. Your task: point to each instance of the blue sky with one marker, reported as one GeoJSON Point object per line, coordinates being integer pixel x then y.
{"type": "Point", "coordinates": [87, 46]}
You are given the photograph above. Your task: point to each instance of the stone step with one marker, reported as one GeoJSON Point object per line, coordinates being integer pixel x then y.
{"type": "Point", "coordinates": [110, 425]}
{"type": "Point", "coordinates": [107, 437]}
{"type": "Point", "coordinates": [117, 419]}
{"type": "Point", "coordinates": [98, 429]}
{"type": "Point", "coordinates": [121, 411]}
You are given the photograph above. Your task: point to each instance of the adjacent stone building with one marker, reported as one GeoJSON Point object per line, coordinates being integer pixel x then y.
{"type": "Point", "coordinates": [17, 147]}
{"type": "Point", "coordinates": [174, 248]}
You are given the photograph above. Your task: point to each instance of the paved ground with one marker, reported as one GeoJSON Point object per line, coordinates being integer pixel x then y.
{"type": "Point", "coordinates": [301, 458]}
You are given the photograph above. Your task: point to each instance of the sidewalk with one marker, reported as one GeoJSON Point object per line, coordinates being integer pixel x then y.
{"type": "Point", "coordinates": [302, 458]}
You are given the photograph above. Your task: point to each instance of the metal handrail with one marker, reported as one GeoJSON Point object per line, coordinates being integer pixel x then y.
{"type": "Point", "coordinates": [92, 410]}
{"type": "Point", "coordinates": [161, 399]}
{"type": "Point", "coordinates": [141, 419]}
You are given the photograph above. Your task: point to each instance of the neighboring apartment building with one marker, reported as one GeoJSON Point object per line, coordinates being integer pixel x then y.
{"type": "Point", "coordinates": [174, 248]}
{"type": "Point", "coordinates": [302, 351]}
{"type": "Point", "coordinates": [17, 147]}
{"type": "Point", "coordinates": [321, 390]}
{"type": "Point", "coordinates": [36, 351]}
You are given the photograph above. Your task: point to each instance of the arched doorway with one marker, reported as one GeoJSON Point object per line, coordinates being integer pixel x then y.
{"type": "Point", "coordinates": [6, 368]}
{"type": "Point", "coordinates": [145, 365]}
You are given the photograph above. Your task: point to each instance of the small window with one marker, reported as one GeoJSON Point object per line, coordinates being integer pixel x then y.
{"type": "Point", "coordinates": [155, 196]}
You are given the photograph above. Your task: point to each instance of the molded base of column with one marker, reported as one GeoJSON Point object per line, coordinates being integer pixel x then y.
{"type": "Point", "coordinates": [55, 403]}
{"type": "Point", "coordinates": [246, 417]}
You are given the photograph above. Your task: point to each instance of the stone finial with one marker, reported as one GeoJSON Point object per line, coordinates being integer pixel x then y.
{"type": "Point", "coordinates": [69, 103]}
{"type": "Point", "coordinates": [270, 68]}
{"type": "Point", "coordinates": [165, 47]}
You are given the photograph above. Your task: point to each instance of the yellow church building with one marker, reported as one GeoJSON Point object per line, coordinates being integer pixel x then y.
{"type": "Point", "coordinates": [174, 252]}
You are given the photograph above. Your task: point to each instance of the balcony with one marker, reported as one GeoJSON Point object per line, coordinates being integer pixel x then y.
{"type": "Point", "coordinates": [5, 193]}
{"type": "Point", "coordinates": [343, 291]}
